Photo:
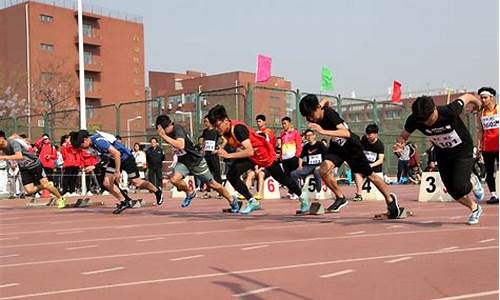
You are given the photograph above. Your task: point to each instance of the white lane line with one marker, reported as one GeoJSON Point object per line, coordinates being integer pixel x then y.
{"type": "Point", "coordinates": [398, 260]}
{"type": "Point", "coordinates": [254, 247]}
{"type": "Point", "coordinates": [486, 241]}
{"type": "Point", "coordinates": [337, 273]}
{"type": "Point", "coordinates": [8, 285]}
{"type": "Point", "coordinates": [449, 248]}
{"type": "Point", "coordinates": [469, 296]}
{"type": "Point", "coordinates": [10, 255]}
{"type": "Point", "coordinates": [11, 238]}
{"type": "Point", "coordinates": [69, 232]}
{"type": "Point", "coordinates": [102, 271]}
{"type": "Point", "coordinates": [256, 291]}
{"type": "Point", "coordinates": [8, 219]}
{"type": "Point", "coordinates": [82, 247]}
{"type": "Point", "coordinates": [186, 257]}
{"type": "Point", "coordinates": [238, 245]}
{"type": "Point", "coordinates": [396, 226]}
{"type": "Point", "coordinates": [152, 239]}
{"type": "Point", "coordinates": [427, 222]}
{"type": "Point", "coordinates": [356, 232]}
{"type": "Point", "coordinates": [456, 217]}
{"type": "Point", "coordinates": [238, 272]}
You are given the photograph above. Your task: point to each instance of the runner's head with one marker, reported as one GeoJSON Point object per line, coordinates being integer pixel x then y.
{"type": "Point", "coordinates": [80, 139]}
{"type": "Point", "coordinates": [261, 121]}
{"type": "Point", "coordinates": [372, 133]}
{"type": "Point", "coordinates": [487, 95]}
{"type": "Point", "coordinates": [310, 136]}
{"type": "Point", "coordinates": [219, 119]}
{"type": "Point", "coordinates": [286, 123]}
{"type": "Point", "coordinates": [206, 123]}
{"type": "Point", "coordinates": [425, 110]}
{"type": "Point", "coordinates": [164, 122]}
{"type": "Point", "coordinates": [3, 139]}
{"type": "Point", "coordinates": [310, 108]}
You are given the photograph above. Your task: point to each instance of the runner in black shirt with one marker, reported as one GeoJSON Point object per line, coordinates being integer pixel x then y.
{"type": "Point", "coordinates": [374, 152]}
{"type": "Point", "coordinates": [453, 145]}
{"type": "Point", "coordinates": [189, 161]}
{"type": "Point", "coordinates": [210, 146]}
{"type": "Point", "coordinates": [344, 146]}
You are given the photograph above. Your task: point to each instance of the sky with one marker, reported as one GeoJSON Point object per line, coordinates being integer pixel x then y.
{"type": "Point", "coordinates": [424, 44]}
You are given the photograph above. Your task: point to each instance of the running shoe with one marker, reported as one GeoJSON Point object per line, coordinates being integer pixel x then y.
{"type": "Point", "coordinates": [257, 197]}
{"type": "Point", "coordinates": [493, 200]}
{"type": "Point", "coordinates": [188, 199]}
{"type": "Point", "coordinates": [251, 206]}
{"type": "Point", "coordinates": [337, 205]}
{"type": "Point", "coordinates": [61, 203]}
{"type": "Point", "coordinates": [477, 187]}
{"type": "Point", "coordinates": [304, 203]}
{"type": "Point", "coordinates": [474, 216]}
{"type": "Point", "coordinates": [294, 197]}
{"type": "Point", "coordinates": [235, 207]}
{"type": "Point", "coordinates": [357, 198]}
{"type": "Point", "coordinates": [159, 196]}
{"type": "Point", "coordinates": [393, 207]}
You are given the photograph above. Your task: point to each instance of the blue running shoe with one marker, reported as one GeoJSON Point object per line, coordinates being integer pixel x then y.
{"type": "Point", "coordinates": [251, 206]}
{"type": "Point", "coordinates": [474, 216]}
{"type": "Point", "coordinates": [235, 207]}
{"type": "Point", "coordinates": [188, 199]}
{"type": "Point", "coordinates": [304, 203]}
{"type": "Point", "coordinates": [477, 187]}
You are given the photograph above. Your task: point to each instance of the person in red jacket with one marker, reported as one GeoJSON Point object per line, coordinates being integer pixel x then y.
{"type": "Point", "coordinates": [71, 165]}
{"type": "Point", "coordinates": [255, 150]}
{"type": "Point", "coordinates": [89, 161]}
{"type": "Point", "coordinates": [47, 154]}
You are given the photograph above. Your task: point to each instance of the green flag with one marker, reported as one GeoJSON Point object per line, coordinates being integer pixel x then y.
{"type": "Point", "coordinates": [326, 79]}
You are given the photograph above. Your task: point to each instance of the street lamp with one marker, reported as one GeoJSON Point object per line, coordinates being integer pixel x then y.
{"type": "Point", "coordinates": [190, 114]}
{"type": "Point", "coordinates": [128, 128]}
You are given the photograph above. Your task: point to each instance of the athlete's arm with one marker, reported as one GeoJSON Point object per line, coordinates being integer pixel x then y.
{"type": "Point", "coordinates": [16, 156]}
{"type": "Point", "coordinates": [176, 143]}
{"type": "Point", "coordinates": [471, 99]}
{"type": "Point", "coordinates": [480, 132]}
{"type": "Point", "coordinates": [117, 157]}
{"type": "Point", "coordinates": [324, 102]}
{"type": "Point", "coordinates": [341, 131]}
{"type": "Point", "coordinates": [246, 151]}
{"type": "Point", "coordinates": [379, 161]}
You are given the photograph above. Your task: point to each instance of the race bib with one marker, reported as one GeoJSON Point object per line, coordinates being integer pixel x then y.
{"type": "Point", "coordinates": [209, 146]}
{"type": "Point", "coordinates": [339, 141]}
{"type": "Point", "coordinates": [490, 122]}
{"type": "Point", "coordinates": [370, 156]}
{"type": "Point", "coordinates": [446, 140]}
{"type": "Point", "coordinates": [314, 159]}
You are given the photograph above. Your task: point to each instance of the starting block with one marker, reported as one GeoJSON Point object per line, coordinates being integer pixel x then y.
{"type": "Point", "coordinates": [316, 209]}
{"type": "Point", "coordinates": [137, 203]}
{"type": "Point", "coordinates": [83, 202]}
{"type": "Point", "coordinates": [271, 189]}
{"type": "Point", "coordinates": [432, 188]}
{"type": "Point", "coordinates": [310, 188]}
{"type": "Point", "coordinates": [370, 192]}
{"type": "Point", "coordinates": [189, 180]}
{"type": "Point", "coordinates": [228, 210]}
{"type": "Point", "coordinates": [403, 215]}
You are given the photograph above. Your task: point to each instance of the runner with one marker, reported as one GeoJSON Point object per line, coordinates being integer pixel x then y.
{"type": "Point", "coordinates": [210, 147]}
{"type": "Point", "coordinates": [488, 138]}
{"type": "Point", "coordinates": [120, 159]}
{"type": "Point", "coordinates": [373, 148]}
{"type": "Point", "coordinates": [453, 143]}
{"type": "Point", "coordinates": [189, 161]}
{"type": "Point", "coordinates": [254, 150]}
{"type": "Point", "coordinates": [344, 146]}
{"type": "Point", "coordinates": [32, 174]}
{"type": "Point", "coordinates": [309, 161]}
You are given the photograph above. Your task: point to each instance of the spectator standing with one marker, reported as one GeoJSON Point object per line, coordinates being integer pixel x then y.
{"type": "Point", "coordinates": [154, 160]}
{"type": "Point", "coordinates": [47, 154]}
{"type": "Point", "coordinates": [140, 159]}
{"type": "Point", "coordinates": [71, 166]}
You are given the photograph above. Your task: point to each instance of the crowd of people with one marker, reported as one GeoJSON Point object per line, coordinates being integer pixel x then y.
{"type": "Point", "coordinates": [251, 155]}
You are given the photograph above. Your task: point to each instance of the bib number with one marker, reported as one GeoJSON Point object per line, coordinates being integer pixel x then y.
{"type": "Point", "coordinates": [370, 156]}
{"type": "Point", "coordinates": [490, 122]}
{"type": "Point", "coordinates": [446, 140]}
{"type": "Point", "coordinates": [314, 159]}
{"type": "Point", "coordinates": [210, 146]}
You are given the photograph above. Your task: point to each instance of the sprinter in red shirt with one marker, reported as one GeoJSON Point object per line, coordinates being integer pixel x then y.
{"type": "Point", "coordinates": [254, 150]}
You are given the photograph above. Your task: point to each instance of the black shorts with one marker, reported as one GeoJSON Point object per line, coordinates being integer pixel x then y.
{"type": "Point", "coordinates": [455, 173]}
{"type": "Point", "coordinates": [127, 165]}
{"type": "Point", "coordinates": [33, 175]}
{"type": "Point", "coordinates": [354, 156]}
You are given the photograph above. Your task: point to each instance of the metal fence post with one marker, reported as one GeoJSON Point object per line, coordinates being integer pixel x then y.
{"type": "Point", "coordinates": [15, 123]}
{"type": "Point", "coordinates": [297, 111]}
{"type": "Point", "coordinates": [375, 112]}
{"type": "Point", "coordinates": [339, 105]}
{"type": "Point", "coordinates": [46, 123]}
{"type": "Point", "coordinates": [117, 117]}
{"type": "Point", "coordinates": [197, 114]}
{"type": "Point", "coordinates": [249, 105]}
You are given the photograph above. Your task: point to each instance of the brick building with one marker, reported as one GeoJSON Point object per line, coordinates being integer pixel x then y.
{"type": "Point", "coordinates": [39, 41]}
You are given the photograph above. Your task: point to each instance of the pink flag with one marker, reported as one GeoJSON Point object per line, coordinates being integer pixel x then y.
{"type": "Point", "coordinates": [263, 68]}
{"type": "Point", "coordinates": [396, 91]}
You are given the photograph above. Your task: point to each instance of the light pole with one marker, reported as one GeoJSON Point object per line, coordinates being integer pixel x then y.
{"type": "Point", "coordinates": [128, 128]}
{"type": "Point", "coordinates": [190, 114]}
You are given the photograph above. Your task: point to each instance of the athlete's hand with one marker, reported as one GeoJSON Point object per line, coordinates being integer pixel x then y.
{"type": "Point", "coordinates": [316, 128]}
{"type": "Point", "coordinates": [2, 157]}
{"type": "Point", "coordinates": [160, 130]}
{"type": "Point", "coordinates": [223, 153]}
{"type": "Point", "coordinates": [118, 175]}
{"type": "Point", "coordinates": [398, 147]}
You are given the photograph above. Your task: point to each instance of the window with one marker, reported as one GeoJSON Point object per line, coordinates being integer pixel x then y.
{"type": "Point", "coordinates": [87, 57]}
{"type": "Point", "coordinates": [89, 84]}
{"type": "Point", "coordinates": [47, 47]}
{"type": "Point", "coordinates": [87, 30]}
{"type": "Point", "coordinates": [46, 18]}
{"type": "Point", "coordinates": [47, 76]}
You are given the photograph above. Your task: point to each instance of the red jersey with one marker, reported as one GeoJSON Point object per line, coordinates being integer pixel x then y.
{"type": "Point", "coordinates": [489, 121]}
{"type": "Point", "coordinates": [270, 135]}
{"type": "Point", "coordinates": [264, 154]}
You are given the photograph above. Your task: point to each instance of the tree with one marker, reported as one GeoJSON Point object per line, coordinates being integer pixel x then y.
{"type": "Point", "coordinates": [13, 98]}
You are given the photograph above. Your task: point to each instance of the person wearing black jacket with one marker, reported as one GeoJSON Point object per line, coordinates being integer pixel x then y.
{"type": "Point", "coordinates": [154, 160]}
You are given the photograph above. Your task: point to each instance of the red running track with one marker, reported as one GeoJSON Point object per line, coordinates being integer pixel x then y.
{"type": "Point", "coordinates": [201, 253]}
